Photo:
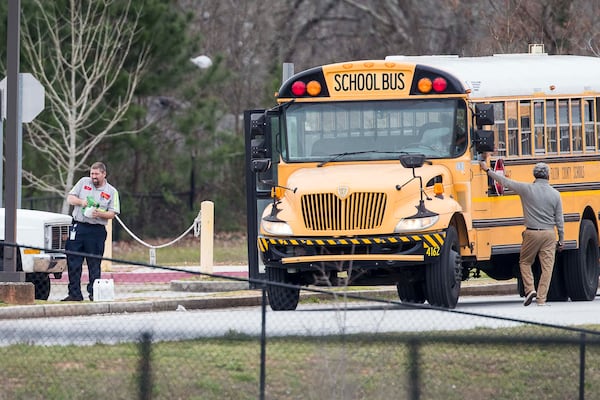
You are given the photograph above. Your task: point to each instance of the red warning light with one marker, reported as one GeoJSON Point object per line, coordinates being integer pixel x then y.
{"type": "Point", "coordinates": [298, 88]}
{"type": "Point", "coordinates": [439, 85]}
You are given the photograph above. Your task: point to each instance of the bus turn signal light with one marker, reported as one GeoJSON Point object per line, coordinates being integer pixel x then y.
{"type": "Point", "coordinates": [277, 192]}
{"type": "Point", "coordinates": [424, 85]}
{"type": "Point", "coordinates": [438, 189]}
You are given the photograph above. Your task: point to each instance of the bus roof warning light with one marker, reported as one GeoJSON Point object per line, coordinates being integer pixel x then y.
{"type": "Point", "coordinates": [298, 88]}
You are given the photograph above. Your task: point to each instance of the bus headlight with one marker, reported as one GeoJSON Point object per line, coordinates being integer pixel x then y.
{"type": "Point", "coordinates": [415, 224]}
{"type": "Point", "coordinates": [276, 228]}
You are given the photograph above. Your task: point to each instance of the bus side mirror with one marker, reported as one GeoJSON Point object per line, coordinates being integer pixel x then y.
{"type": "Point", "coordinates": [412, 160]}
{"type": "Point", "coordinates": [260, 165]}
{"type": "Point", "coordinates": [484, 141]}
{"type": "Point", "coordinates": [484, 114]}
{"type": "Point", "coordinates": [258, 148]}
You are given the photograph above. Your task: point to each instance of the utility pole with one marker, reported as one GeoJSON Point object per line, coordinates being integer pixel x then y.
{"type": "Point", "coordinates": [9, 272]}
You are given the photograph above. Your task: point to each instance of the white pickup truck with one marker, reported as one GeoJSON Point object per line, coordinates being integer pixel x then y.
{"type": "Point", "coordinates": [41, 230]}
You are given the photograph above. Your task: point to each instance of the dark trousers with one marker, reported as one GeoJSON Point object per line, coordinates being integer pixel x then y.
{"type": "Point", "coordinates": [88, 239]}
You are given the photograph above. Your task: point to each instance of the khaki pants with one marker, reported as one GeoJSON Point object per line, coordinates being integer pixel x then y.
{"type": "Point", "coordinates": [543, 245]}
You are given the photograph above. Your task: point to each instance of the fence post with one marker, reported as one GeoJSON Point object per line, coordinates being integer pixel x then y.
{"type": "Point", "coordinates": [414, 370]}
{"type": "Point", "coordinates": [582, 366]}
{"type": "Point", "coordinates": [145, 367]}
{"type": "Point", "coordinates": [207, 222]}
{"type": "Point", "coordinates": [263, 342]}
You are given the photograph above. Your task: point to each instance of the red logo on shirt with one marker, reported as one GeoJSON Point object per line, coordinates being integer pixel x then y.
{"type": "Point", "coordinates": [86, 187]}
{"type": "Point", "coordinates": [105, 195]}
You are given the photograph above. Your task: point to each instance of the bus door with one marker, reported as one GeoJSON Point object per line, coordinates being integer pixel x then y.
{"type": "Point", "coordinates": [262, 158]}
{"type": "Point", "coordinates": [483, 142]}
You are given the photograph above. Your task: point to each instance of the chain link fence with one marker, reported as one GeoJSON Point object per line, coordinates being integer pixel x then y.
{"type": "Point", "coordinates": [157, 341]}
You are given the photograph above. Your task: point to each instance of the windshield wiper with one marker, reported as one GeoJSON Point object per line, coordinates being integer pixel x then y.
{"type": "Point", "coordinates": [352, 153]}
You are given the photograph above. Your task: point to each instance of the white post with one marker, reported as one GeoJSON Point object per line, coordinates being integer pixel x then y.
{"type": "Point", "coordinates": [106, 264]}
{"type": "Point", "coordinates": [207, 223]}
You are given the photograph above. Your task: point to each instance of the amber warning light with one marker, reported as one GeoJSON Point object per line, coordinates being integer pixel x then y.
{"type": "Point", "coordinates": [313, 88]}
{"type": "Point", "coordinates": [438, 85]}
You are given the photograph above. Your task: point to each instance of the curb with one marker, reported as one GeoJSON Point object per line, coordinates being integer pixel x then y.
{"type": "Point", "coordinates": [250, 300]}
{"type": "Point", "coordinates": [208, 286]}
{"type": "Point", "coordinates": [224, 286]}
{"type": "Point", "coordinates": [91, 308]}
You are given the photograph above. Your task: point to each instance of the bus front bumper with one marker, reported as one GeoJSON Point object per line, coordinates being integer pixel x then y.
{"type": "Point", "coordinates": [391, 249]}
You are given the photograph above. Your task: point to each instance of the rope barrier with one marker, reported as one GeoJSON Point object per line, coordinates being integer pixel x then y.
{"type": "Point", "coordinates": [195, 225]}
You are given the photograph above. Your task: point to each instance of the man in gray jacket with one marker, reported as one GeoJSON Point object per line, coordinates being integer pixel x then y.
{"type": "Point", "coordinates": [542, 212]}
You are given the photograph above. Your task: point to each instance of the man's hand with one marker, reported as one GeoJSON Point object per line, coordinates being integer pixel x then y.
{"type": "Point", "coordinates": [559, 246]}
{"type": "Point", "coordinates": [483, 163]}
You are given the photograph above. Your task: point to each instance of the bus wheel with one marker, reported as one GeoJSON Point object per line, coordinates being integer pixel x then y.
{"type": "Point", "coordinates": [557, 290]}
{"type": "Point", "coordinates": [443, 276]}
{"type": "Point", "coordinates": [411, 292]}
{"type": "Point", "coordinates": [41, 283]}
{"type": "Point", "coordinates": [281, 298]}
{"type": "Point", "coordinates": [580, 267]}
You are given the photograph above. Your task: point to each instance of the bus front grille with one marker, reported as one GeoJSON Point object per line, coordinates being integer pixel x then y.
{"type": "Point", "coordinates": [358, 211]}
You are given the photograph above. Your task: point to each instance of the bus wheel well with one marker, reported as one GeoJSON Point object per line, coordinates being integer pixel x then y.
{"type": "Point", "coordinates": [458, 221]}
{"type": "Point", "coordinates": [589, 214]}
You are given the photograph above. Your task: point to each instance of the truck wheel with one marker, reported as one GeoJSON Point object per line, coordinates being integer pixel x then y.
{"type": "Point", "coordinates": [41, 283]}
{"type": "Point", "coordinates": [411, 292]}
{"type": "Point", "coordinates": [281, 298]}
{"type": "Point", "coordinates": [443, 277]}
{"type": "Point", "coordinates": [581, 267]}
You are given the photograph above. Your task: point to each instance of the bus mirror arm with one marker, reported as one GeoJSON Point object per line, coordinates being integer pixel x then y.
{"type": "Point", "coordinates": [413, 161]}
{"type": "Point", "coordinates": [399, 187]}
{"type": "Point", "coordinates": [422, 211]}
{"type": "Point", "coordinates": [274, 185]}
{"type": "Point", "coordinates": [274, 210]}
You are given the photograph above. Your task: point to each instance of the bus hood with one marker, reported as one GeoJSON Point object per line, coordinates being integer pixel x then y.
{"type": "Point", "coordinates": [351, 178]}
{"type": "Point", "coordinates": [356, 199]}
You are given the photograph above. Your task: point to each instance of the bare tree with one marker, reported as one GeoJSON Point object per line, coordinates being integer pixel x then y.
{"type": "Point", "coordinates": [78, 54]}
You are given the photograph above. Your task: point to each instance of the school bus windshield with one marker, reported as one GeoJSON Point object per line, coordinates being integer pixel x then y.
{"type": "Point", "coordinates": [374, 130]}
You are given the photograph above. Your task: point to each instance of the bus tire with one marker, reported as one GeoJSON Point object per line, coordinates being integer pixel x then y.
{"type": "Point", "coordinates": [557, 290]}
{"type": "Point", "coordinates": [281, 298]}
{"type": "Point", "coordinates": [411, 292]}
{"type": "Point", "coordinates": [580, 268]}
{"type": "Point", "coordinates": [443, 277]}
{"type": "Point", "coordinates": [41, 284]}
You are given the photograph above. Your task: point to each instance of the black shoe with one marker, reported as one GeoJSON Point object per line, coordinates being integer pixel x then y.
{"type": "Point", "coordinates": [91, 297]}
{"type": "Point", "coordinates": [529, 298]}
{"type": "Point", "coordinates": [71, 298]}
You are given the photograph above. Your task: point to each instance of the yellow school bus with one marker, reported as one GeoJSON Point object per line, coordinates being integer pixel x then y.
{"type": "Point", "coordinates": [366, 173]}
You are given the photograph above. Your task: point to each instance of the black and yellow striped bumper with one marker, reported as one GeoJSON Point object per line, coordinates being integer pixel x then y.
{"type": "Point", "coordinates": [427, 246]}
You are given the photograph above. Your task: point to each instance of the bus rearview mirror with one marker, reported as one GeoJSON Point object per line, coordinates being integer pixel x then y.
{"type": "Point", "coordinates": [484, 141]}
{"type": "Point", "coordinates": [260, 165]}
{"type": "Point", "coordinates": [484, 114]}
{"type": "Point", "coordinates": [412, 160]}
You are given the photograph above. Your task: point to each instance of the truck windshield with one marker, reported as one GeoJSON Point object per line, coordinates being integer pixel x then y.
{"type": "Point", "coordinates": [373, 130]}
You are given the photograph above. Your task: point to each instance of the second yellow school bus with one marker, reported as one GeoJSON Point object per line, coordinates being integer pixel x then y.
{"type": "Point", "coordinates": [366, 173]}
